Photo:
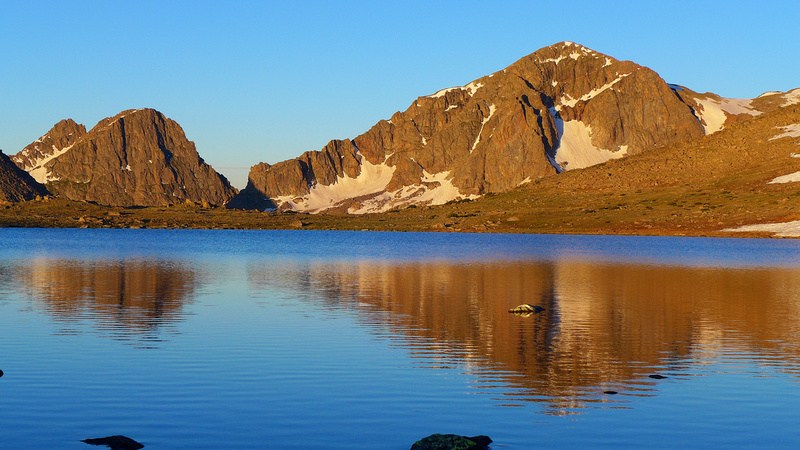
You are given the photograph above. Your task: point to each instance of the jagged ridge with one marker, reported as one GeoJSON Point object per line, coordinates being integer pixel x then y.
{"type": "Point", "coordinates": [562, 107]}
{"type": "Point", "coordinates": [138, 157]}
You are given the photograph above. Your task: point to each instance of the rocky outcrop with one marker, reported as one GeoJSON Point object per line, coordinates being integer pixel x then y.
{"type": "Point", "coordinates": [136, 158]}
{"type": "Point", "coordinates": [452, 442]}
{"type": "Point", "coordinates": [16, 185]}
{"type": "Point", "coordinates": [117, 442]}
{"type": "Point", "coordinates": [560, 108]}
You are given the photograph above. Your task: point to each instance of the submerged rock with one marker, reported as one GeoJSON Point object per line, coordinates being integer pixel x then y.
{"type": "Point", "coordinates": [115, 442]}
{"type": "Point", "coordinates": [526, 309]}
{"type": "Point", "coordinates": [452, 442]}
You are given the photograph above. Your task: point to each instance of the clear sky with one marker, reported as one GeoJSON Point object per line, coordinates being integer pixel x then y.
{"type": "Point", "coordinates": [266, 81]}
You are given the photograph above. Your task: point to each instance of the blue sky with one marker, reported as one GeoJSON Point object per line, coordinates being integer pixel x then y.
{"type": "Point", "coordinates": [266, 81]}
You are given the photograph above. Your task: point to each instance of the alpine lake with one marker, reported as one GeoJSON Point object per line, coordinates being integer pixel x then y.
{"type": "Point", "coordinates": [300, 339]}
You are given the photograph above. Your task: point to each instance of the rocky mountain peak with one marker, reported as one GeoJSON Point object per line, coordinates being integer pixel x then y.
{"type": "Point", "coordinates": [137, 157]}
{"type": "Point", "coordinates": [55, 142]}
{"type": "Point", "coordinates": [560, 108]}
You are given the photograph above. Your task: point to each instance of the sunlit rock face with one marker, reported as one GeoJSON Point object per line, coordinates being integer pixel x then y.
{"type": "Point", "coordinates": [601, 324]}
{"type": "Point", "coordinates": [136, 158]}
{"type": "Point", "coordinates": [560, 108]}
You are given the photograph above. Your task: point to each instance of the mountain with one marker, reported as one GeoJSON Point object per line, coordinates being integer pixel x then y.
{"type": "Point", "coordinates": [138, 157]}
{"type": "Point", "coordinates": [15, 184]}
{"type": "Point", "coordinates": [563, 107]}
{"type": "Point", "coordinates": [34, 156]}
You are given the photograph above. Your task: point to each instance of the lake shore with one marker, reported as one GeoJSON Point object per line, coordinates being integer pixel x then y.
{"type": "Point", "coordinates": [505, 213]}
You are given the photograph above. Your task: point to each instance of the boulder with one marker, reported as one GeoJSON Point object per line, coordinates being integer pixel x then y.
{"type": "Point", "coordinates": [452, 442]}
{"type": "Point", "coordinates": [115, 442]}
{"type": "Point", "coordinates": [526, 309]}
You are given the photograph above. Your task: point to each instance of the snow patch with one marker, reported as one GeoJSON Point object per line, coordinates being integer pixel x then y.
{"type": "Point", "coordinates": [372, 179]}
{"type": "Point", "coordinates": [552, 60]}
{"type": "Point", "coordinates": [784, 229]}
{"type": "Point", "coordinates": [571, 102]}
{"type": "Point", "coordinates": [790, 178]}
{"type": "Point", "coordinates": [575, 149]}
{"type": "Point", "coordinates": [471, 87]}
{"type": "Point", "coordinates": [451, 107]}
{"type": "Point", "coordinates": [789, 131]}
{"type": "Point", "coordinates": [792, 97]}
{"type": "Point", "coordinates": [39, 171]}
{"type": "Point", "coordinates": [419, 194]}
{"type": "Point", "coordinates": [715, 111]}
{"type": "Point", "coordinates": [443, 92]}
{"type": "Point", "coordinates": [492, 109]}
{"type": "Point", "coordinates": [525, 181]}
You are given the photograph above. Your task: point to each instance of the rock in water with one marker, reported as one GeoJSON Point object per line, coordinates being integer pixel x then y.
{"type": "Point", "coordinates": [116, 442]}
{"type": "Point", "coordinates": [452, 442]}
{"type": "Point", "coordinates": [1, 373]}
{"type": "Point", "coordinates": [526, 309]}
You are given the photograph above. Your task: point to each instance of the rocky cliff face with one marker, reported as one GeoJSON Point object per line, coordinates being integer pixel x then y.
{"type": "Point", "coordinates": [15, 184]}
{"type": "Point", "coordinates": [138, 157]}
{"type": "Point", "coordinates": [560, 108]}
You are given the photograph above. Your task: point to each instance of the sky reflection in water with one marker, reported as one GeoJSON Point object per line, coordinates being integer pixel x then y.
{"type": "Point", "coordinates": [234, 338]}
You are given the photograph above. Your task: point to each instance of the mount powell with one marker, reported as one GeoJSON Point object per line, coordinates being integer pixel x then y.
{"type": "Point", "coordinates": [136, 158]}
{"type": "Point", "coordinates": [563, 107]}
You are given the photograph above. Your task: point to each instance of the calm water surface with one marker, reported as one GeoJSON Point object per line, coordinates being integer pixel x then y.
{"type": "Point", "coordinates": [362, 340]}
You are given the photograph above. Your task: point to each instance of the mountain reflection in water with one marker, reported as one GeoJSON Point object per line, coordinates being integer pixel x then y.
{"type": "Point", "coordinates": [128, 299]}
{"type": "Point", "coordinates": [606, 326]}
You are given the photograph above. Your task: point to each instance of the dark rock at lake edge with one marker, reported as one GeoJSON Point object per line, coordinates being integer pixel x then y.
{"type": "Point", "coordinates": [115, 442]}
{"type": "Point", "coordinates": [452, 442]}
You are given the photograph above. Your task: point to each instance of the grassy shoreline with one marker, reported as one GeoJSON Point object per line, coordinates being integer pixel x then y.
{"type": "Point", "coordinates": [514, 212]}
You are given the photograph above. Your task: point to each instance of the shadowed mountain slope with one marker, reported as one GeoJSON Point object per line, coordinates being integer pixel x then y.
{"type": "Point", "coordinates": [15, 184]}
